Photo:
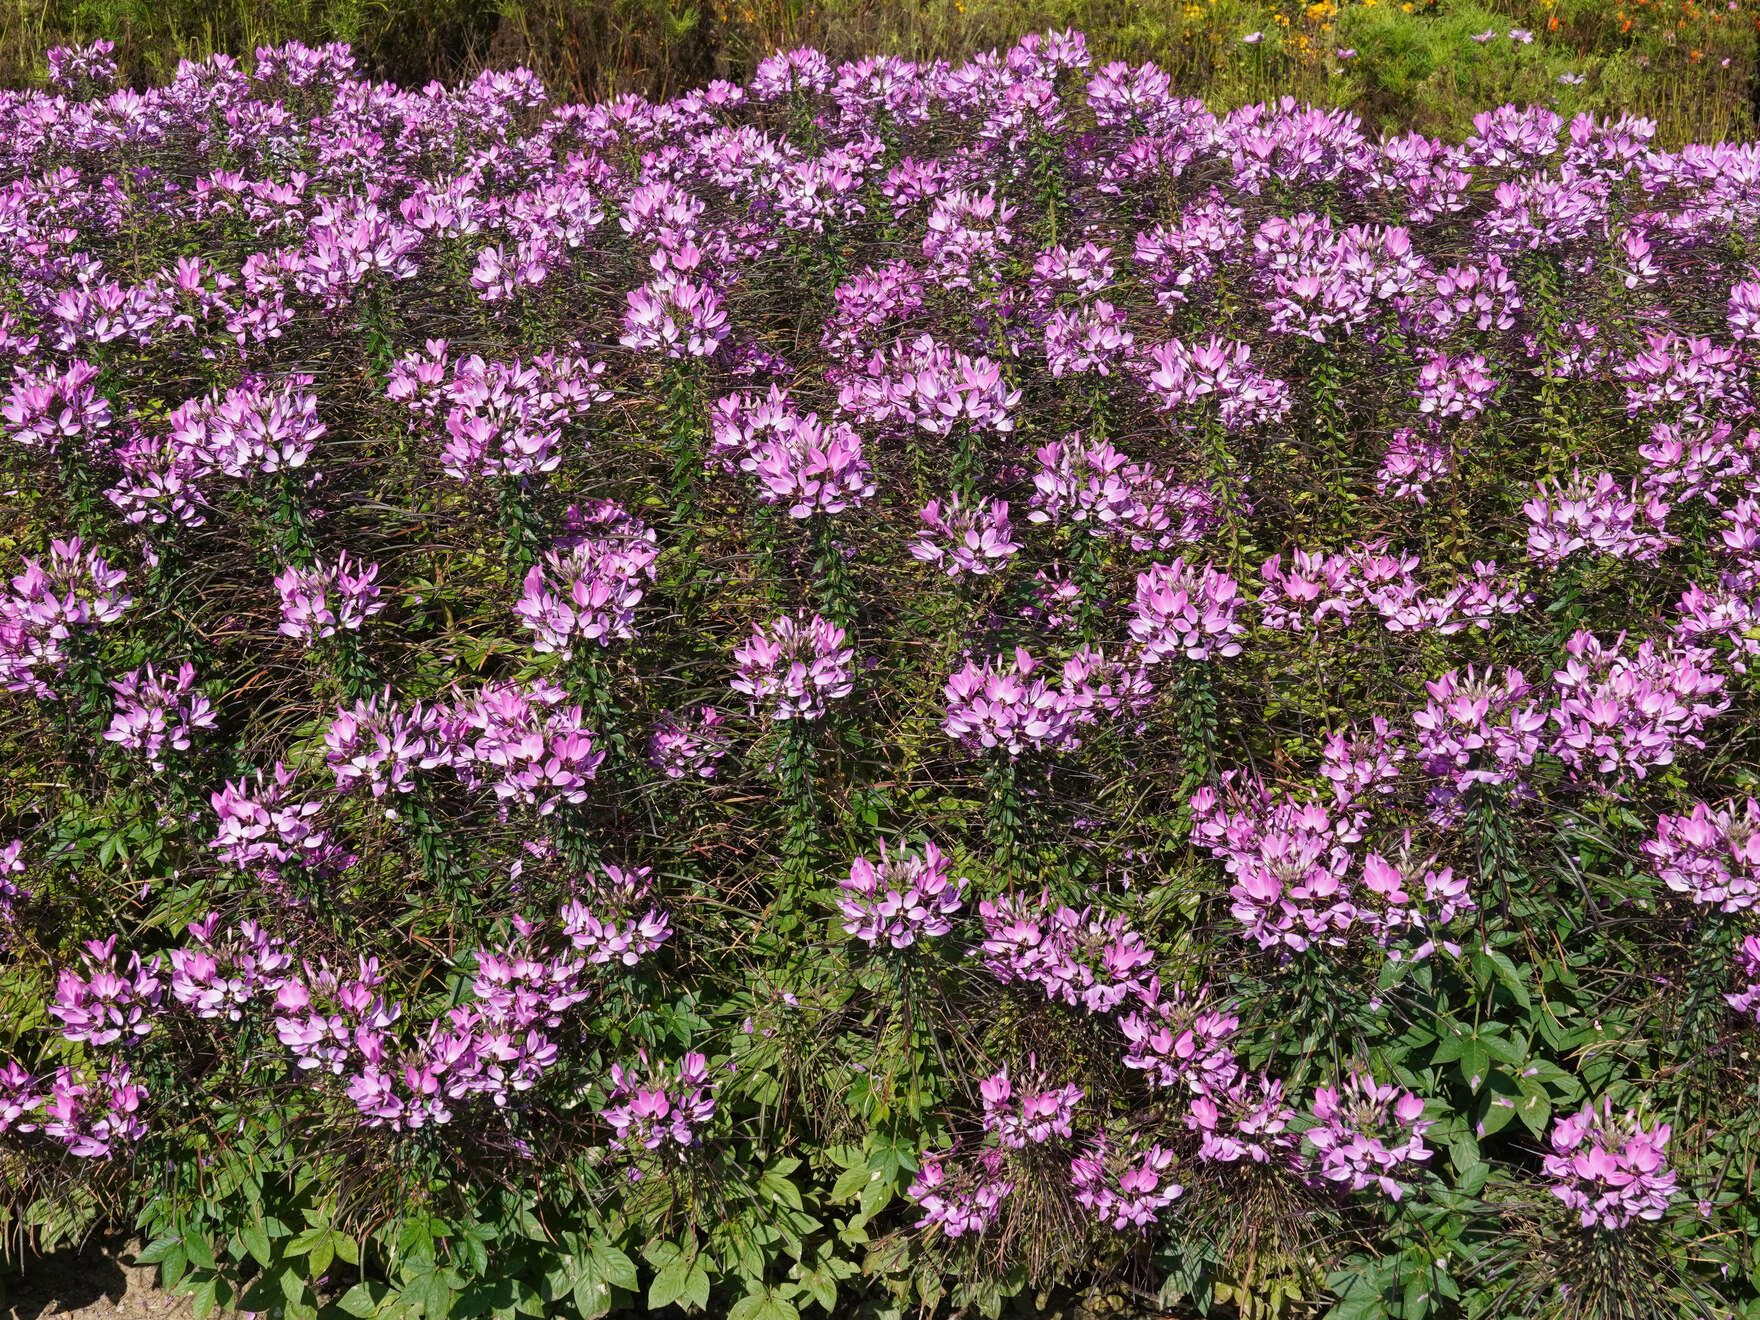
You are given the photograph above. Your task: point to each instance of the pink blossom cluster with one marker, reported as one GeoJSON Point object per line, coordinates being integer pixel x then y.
{"type": "Point", "coordinates": [1621, 713]}
{"type": "Point", "coordinates": [812, 468]}
{"type": "Point", "coordinates": [217, 979]}
{"type": "Point", "coordinates": [1121, 1189]}
{"type": "Point", "coordinates": [154, 712]}
{"type": "Point", "coordinates": [926, 385]}
{"type": "Point", "coordinates": [1477, 729]}
{"type": "Point", "coordinates": [1691, 377]}
{"type": "Point", "coordinates": [688, 745]}
{"type": "Point", "coordinates": [535, 750]}
{"type": "Point", "coordinates": [1289, 862]}
{"type": "Point", "coordinates": [268, 834]}
{"type": "Point", "coordinates": [319, 601]}
{"type": "Point", "coordinates": [1453, 387]}
{"type": "Point", "coordinates": [1358, 763]}
{"type": "Point", "coordinates": [1341, 585]}
{"type": "Point", "coordinates": [668, 1108]}
{"type": "Point", "coordinates": [1083, 959]}
{"type": "Point", "coordinates": [1179, 377]}
{"type": "Point", "coordinates": [94, 1117]}
{"type": "Point", "coordinates": [1020, 1116]}
{"type": "Point", "coordinates": [1696, 461]}
{"type": "Point", "coordinates": [1595, 515]}
{"type": "Point", "coordinates": [1711, 854]}
{"type": "Point", "coordinates": [976, 539]}
{"type": "Point", "coordinates": [52, 609]}
{"type": "Point", "coordinates": [1610, 1170]}
{"type": "Point", "coordinates": [607, 928]}
{"type": "Point", "coordinates": [1181, 1038]}
{"type": "Point", "coordinates": [12, 893]}
{"type": "Point", "coordinates": [589, 588]}
{"type": "Point", "coordinates": [258, 427]}
{"type": "Point", "coordinates": [499, 419]}
{"type": "Point", "coordinates": [906, 898]}
{"type": "Point", "coordinates": [108, 1005]}
{"type": "Point", "coordinates": [1413, 462]}
{"type": "Point", "coordinates": [383, 747]}
{"type": "Point", "coordinates": [1248, 1120]}
{"type": "Point", "coordinates": [1368, 1131]}
{"type": "Point", "coordinates": [1008, 708]}
{"type": "Point", "coordinates": [48, 408]}
{"type": "Point", "coordinates": [1092, 484]}
{"type": "Point", "coordinates": [1747, 975]}
{"type": "Point", "coordinates": [965, 1198]}
{"type": "Point", "coordinates": [1184, 612]}
{"type": "Point", "coordinates": [793, 666]}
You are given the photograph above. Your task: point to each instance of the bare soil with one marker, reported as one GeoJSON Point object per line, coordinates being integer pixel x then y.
{"type": "Point", "coordinates": [97, 1282]}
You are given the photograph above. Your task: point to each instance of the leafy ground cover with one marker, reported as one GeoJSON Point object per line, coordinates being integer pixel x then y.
{"type": "Point", "coordinates": [903, 687]}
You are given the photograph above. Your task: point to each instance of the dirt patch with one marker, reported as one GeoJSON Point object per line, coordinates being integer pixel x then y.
{"type": "Point", "coordinates": [95, 1283]}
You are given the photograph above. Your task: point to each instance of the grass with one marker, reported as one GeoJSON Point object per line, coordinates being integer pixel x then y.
{"type": "Point", "coordinates": [1690, 66]}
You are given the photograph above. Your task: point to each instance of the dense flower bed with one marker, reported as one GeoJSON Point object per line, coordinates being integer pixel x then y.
{"type": "Point", "coordinates": [913, 685]}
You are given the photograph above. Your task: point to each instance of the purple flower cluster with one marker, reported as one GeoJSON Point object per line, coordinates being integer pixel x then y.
{"type": "Point", "coordinates": [49, 611]}
{"type": "Point", "coordinates": [1181, 1039]}
{"type": "Point", "coordinates": [905, 899]}
{"type": "Point", "coordinates": [1610, 1170]}
{"type": "Point", "coordinates": [1319, 586]}
{"type": "Point", "coordinates": [321, 600]}
{"type": "Point", "coordinates": [153, 713]}
{"type": "Point", "coordinates": [1621, 714]}
{"type": "Point", "coordinates": [1292, 862]}
{"type": "Point", "coordinates": [978, 539]}
{"type": "Point", "coordinates": [1184, 612]}
{"type": "Point", "coordinates": [1367, 1132]}
{"type": "Point", "coordinates": [499, 419]}
{"type": "Point", "coordinates": [1081, 959]}
{"type": "Point", "coordinates": [1011, 709]}
{"type": "Point", "coordinates": [1093, 485]}
{"type": "Point", "coordinates": [108, 1006]}
{"type": "Point", "coordinates": [1248, 1120]}
{"type": "Point", "coordinates": [965, 1198]}
{"type": "Point", "coordinates": [665, 1110]}
{"type": "Point", "coordinates": [1019, 1117]}
{"type": "Point", "coordinates": [1122, 1189]}
{"type": "Point", "coordinates": [682, 747]}
{"type": "Point", "coordinates": [1594, 515]}
{"type": "Point", "coordinates": [794, 666]}
{"type": "Point", "coordinates": [1712, 855]}
{"type": "Point", "coordinates": [1747, 999]}
{"type": "Point", "coordinates": [588, 587]}
{"type": "Point", "coordinates": [12, 893]}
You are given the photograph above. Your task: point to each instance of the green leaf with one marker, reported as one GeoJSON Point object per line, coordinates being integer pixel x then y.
{"type": "Point", "coordinates": [612, 1265]}
{"type": "Point", "coordinates": [171, 1268]}
{"type": "Point", "coordinates": [1475, 1062]}
{"type": "Point", "coordinates": [202, 1299]}
{"type": "Point", "coordinates": [592, 1297]}
{"type": "Point", "coordinates": [1507, 973]}
{"type": "Point", "coordinates": [680, 1276]}
{"type": "Point", "coordinates": [1471, 1180]}
{"type": "Point", "coordinates": [292, 1286]}
{"type": "Point", "coordinates": [256, 1241]}
{"type": "Point", "coordinates": [1534, 1106]}
{"type": "Point", "coordinates": [157, 1250]}
{"type": "Point", "coordinates": [1498, 1111]}
{"type": "Point", "coordinates": [850, 1183]}
{"type": "Point", "coordinates": [364, 1299]}
{"type": "Point", "coordinates": [780, 1189]}
{"type": "Point", "coordinates": [196, 1248]}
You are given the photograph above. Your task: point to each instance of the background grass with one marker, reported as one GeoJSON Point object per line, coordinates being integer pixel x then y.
{"type": "Point", "coordinates": [1689, 65]}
